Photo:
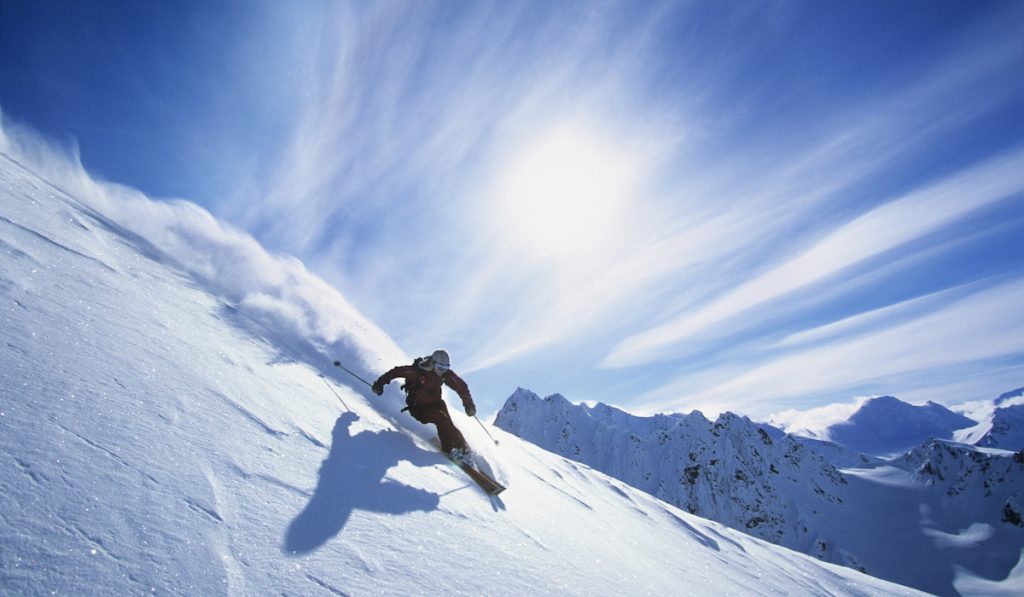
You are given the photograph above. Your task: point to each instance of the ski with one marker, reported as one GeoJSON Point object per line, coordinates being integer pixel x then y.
{"type": "Point", "coordinates": [486, 483]}
{"type": "Point", "coordinates": [489, 485]}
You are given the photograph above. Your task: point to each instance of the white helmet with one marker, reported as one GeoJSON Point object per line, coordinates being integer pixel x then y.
{"type": "Point", "coordinates": [442, 362]}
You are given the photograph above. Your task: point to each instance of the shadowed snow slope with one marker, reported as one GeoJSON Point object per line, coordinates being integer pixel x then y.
{"type": "Point", "coordinates": [164, 427]}
{"type": "Point", "coordinates": [886, 425]}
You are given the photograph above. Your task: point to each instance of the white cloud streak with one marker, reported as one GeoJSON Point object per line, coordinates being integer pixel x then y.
{"type": "Point", "coordinates": [814, 421]}
{"type": "Point", "coordinates": [405, 114]}
{"type": "Point", "coordinates": [986, 325]}
{"type": "Point", "coordinates": [886, 227]}
{"type": "Point", "coordinates": [689, 242]}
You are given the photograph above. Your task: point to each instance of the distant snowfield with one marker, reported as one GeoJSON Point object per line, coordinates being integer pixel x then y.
{"type": "Point", "coordinates": [924, 538]}
{"type": "Point", "coordinates": [165, 428]}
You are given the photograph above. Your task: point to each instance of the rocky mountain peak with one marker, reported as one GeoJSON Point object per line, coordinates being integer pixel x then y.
{"type": "Point", "coordinates": [749, 476]}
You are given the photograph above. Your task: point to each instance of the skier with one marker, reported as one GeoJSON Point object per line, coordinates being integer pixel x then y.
{"type": "Point", "coordinates": [423, 381]}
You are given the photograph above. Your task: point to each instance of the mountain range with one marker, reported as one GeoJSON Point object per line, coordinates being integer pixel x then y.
{"type": "Point", "coordinates": [885, 426]}
{"type": "Point", "coordinates": [918, 519]}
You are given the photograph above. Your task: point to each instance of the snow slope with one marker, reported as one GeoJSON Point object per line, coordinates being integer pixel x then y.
{"type": "Point", "coordinates": [941, 520]}
{"type": "Point", "coordinates": [165, 427]}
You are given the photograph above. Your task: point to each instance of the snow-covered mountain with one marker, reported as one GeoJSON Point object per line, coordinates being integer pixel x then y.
{"type": "Point", "coordinates": [750, 477]}
{"type": "Point", "coordinates": [1010, 398]}
{"type": "Point", "coordinates": [839, 455]}
{"type": "Point", "coordinates": [1000, 422]}
{"type": "Point", "coordinates": [757, 479]}
{"type": "Point", "coordinates": [973, 479]}
{"type": "Point", "coordinates": [1006, 430]}
{"type": "Point", "coordinates": [889, 426]}
{"type": "Point", "coordinates": [169, 423]}
{"type": "Point", "coordinates": [886, 426]}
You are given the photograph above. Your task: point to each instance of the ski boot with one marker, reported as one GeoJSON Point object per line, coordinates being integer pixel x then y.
{"type": "Point", "coordinates": [461, 456]}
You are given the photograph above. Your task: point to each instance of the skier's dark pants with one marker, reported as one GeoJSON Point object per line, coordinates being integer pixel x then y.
{"type": "Point", "coordinates": [437, 413]}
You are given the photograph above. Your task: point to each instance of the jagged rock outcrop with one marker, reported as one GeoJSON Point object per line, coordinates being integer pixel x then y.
{"type": "Point", "coordinates": [1007, 430]}
{"type": "Point", "coordinates": [988, 484]}
{"type": "Point", "coordinates": [916, 519]}
{"type": "Point", "coordinates": [751, 477]}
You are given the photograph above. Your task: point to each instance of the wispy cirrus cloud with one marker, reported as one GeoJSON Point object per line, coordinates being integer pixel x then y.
{"type": "Point", "coordinates": [691, 241]}
{"type": "Point", "coordinates": [881, 229]}
{"type": "Point", "coordinates": [794, 178]}
{"type": "Point", "coordinates": [926, 351]}
{"type": "Point", "coordinates": [392, 164]}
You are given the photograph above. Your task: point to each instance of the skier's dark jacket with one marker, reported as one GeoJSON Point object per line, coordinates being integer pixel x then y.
{"type": "Point", "coordinates": [424, 385]}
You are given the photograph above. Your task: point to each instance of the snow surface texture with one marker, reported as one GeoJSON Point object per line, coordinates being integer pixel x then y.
{"type": "Point", "coordinates": [165, 427]}
{"type": "Point", "coordinates": [945, 519]}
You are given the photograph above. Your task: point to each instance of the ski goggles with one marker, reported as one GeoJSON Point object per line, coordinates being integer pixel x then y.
{"type": "Point", "coordinates": [441, 367]}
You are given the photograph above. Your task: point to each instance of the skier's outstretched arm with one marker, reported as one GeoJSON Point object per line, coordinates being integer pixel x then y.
{"type": "Point", "coordinates": [383, 380]}
{"type": "Point", "coordinates": [453, 381]}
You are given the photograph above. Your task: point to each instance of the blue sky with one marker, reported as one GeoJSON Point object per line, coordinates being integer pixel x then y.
{"type": "Point", "coordinates": [753, 206]}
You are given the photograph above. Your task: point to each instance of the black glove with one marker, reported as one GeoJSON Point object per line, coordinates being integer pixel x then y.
{"type": "Point", "coordinates": [471, 410]}
{"type": "Point", "coordinates": [378, 388]}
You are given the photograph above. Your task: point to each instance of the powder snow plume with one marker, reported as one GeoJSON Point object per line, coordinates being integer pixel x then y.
{"type": "Point", "coordinates": [277, 291]}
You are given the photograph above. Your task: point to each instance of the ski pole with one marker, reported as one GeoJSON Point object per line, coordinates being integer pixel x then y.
{"type": "Point", "coordinates": [335, 392]}
{"type": "Point", "coordinates": [343, 368]}
{"type": "Point", "coordinates": [485, 430]}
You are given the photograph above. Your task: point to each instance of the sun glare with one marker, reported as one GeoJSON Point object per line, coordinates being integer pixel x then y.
{"type": "Point", "coordinates": [562, 194]}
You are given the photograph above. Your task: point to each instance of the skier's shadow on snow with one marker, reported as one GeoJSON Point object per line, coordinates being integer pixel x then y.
{"type": "Point", "coordinates": [352, 476]}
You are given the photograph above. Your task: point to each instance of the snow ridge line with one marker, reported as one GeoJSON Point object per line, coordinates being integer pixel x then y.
{"type": "Point", "coordinates": [246, 475]}
{"type": "Point", "coordinates": [61, 246]}
{"type": "Point", "coordinates": [26, 468]}
{"type": "Point", "coordinates": [326, 586]}
{"type": "Point", "coordinates": [196, 506]}
{"type": "Point", "coordinates": [252, 417]}
{"type": "Point", "coordinates": [96, 543]}
{"type": "Point", "coordinates": [110, 454]}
